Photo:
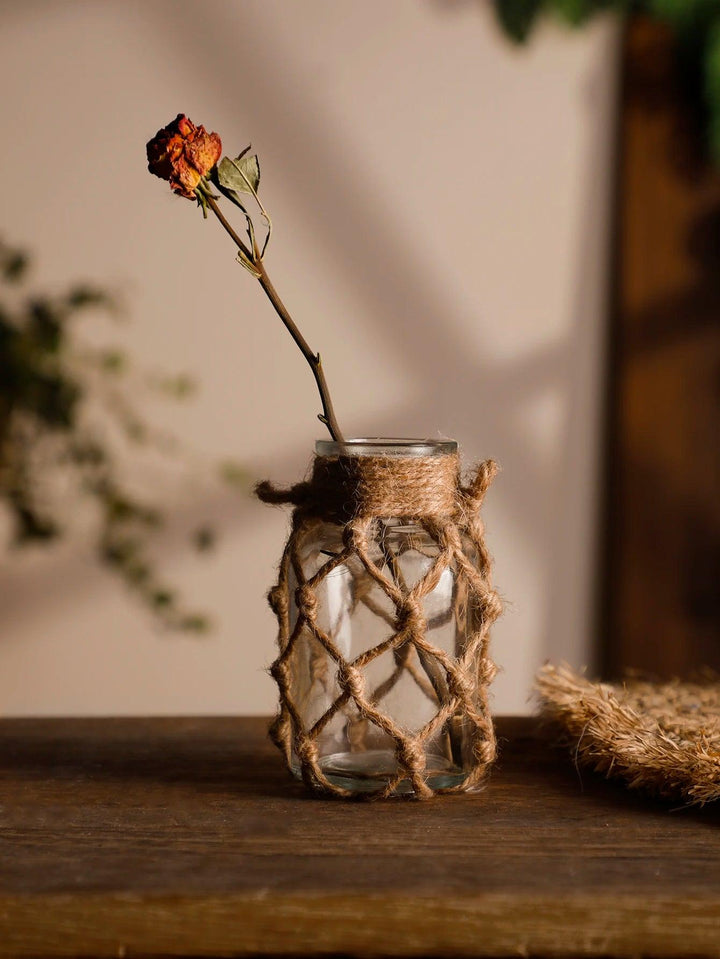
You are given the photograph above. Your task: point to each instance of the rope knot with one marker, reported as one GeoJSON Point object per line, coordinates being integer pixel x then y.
{"type": "Point", "coordinates": [277, 600]}
{"type": "Point", "coordinates": [460, 687]}
{"type": "Point", "coordinates": [273, 495]}
{"type": "Point", "coordinates": [350, 680]}
{"type": "Point", "coordinates": [493, 606]}
{"type": "Point", "coordinates": [306, 600]}
{"type": "Point", "coordinates": [487, 670]}
{"type": "Point", "coordinates": [410, 755]}
{"type": "Point", "coordinates": [474, 493]}
{"type": "Point", "coordinates": [410, 618]}
{"type": "Point", "coordinates": [306, 751]}
{"type": "Point", "coordinates": [280, 672]}
{"type": "Point", "coordinates": [280, 729]}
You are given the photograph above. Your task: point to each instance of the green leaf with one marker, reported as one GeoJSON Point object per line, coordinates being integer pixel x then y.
{"type": "Point", "coordinates": [241, 175]}
{"type": "Point", "coordinates": [14, 265]}
{"type": "Point", "coordinates": [517, 17]}
{"type": "Point", "coordinates": [204, 539]}
{"type": "Point", "coordinates": [231, 195]}
{"type": "Point", "coordinates": [234, 474]}
{"type": "Point", "coordinates": [113, 361]}
{"type": "Point", "coordinates": [51, 397]}
{"type": "Point", "coordinates": [44, 326]}
{"type": "Point", "coordinates": [202, 202]}
{"type": "Point", "coordinates": [179, 387]}
{"type": "Point", "coordinates": [120, 552]}
{"type": "Point", "coordinates": [241, 258]}
{"type": "Point", "coordinates": [712, 90]}
{"type": "Point", "coordinates": [577, 12]}
{"type": "Point", "coordinates": [31, 527]}
{"type": "Point", "coordinates": [84, 296]}
{"type": "Point", "coordinates": [681, 13]}
{"type": "Point", "coordinates": [137, 573]}
{"type": "Point", "coordinates": [194, 623]}
{"type": "Point", "coordinates": [162, 598]}
{"type": "Point", "coordinates": [136, 431]}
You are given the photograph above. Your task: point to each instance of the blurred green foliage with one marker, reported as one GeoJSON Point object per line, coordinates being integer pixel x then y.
{"type": "Point", "coordinates": [696, 24]}
{"type": "Point", "coordinates": [46, 440]}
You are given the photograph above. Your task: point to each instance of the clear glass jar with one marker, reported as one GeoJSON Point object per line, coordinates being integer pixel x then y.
{"type": "Point", "coordinates": [406, 682]}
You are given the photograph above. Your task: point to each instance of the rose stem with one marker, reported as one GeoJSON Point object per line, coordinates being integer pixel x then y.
{"type": "Point", "coordinates": [313, 359]}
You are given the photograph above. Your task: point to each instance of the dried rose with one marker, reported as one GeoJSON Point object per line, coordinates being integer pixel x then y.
{"type": "Point", "coordinates": [182, 154]}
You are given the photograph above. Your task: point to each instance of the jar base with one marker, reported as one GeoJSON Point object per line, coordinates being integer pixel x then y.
{"type": "Point", "coordinates": [370, 771]}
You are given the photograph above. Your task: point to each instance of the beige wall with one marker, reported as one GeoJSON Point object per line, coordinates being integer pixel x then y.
{"type": "Point", "coordinates": [440, 205]}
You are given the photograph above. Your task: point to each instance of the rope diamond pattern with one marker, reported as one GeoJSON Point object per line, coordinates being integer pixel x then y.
{"type": "Point", "coordinates": [456, 685]}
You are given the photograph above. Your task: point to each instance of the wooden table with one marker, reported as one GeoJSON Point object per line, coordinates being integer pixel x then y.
{"type": "Point", "coordinates": [123, 837]}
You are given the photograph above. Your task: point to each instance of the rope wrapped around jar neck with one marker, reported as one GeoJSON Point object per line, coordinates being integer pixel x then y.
{"type": "Point", "coordinates": [343, 488]}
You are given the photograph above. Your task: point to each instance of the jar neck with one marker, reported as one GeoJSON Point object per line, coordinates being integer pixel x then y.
{"type": "Point", "coordinates": [379, 477]}
{"type": "Point", "coordinates": [375, 446]}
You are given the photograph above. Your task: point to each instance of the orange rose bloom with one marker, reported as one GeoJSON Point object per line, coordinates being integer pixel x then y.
{"type": "Point", "coordinates": [183, 153]}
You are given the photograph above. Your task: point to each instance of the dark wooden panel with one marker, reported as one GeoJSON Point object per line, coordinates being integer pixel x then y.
{"type": "Point", "coordinates": [188, 837]}
{"type": "Point", "coordinates": [662, 604]}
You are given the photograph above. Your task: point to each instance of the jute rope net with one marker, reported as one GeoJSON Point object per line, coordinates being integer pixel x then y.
{"type": "Point", "coordinates": [357, 492]}
{"type": "Point", "coordinates": [663, 738]}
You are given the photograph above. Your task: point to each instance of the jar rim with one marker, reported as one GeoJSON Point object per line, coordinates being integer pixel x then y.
{"type": "Point", "coordinates": [386, 446]}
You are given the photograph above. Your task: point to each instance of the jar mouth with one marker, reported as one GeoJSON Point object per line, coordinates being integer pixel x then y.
{"type": "Point", "coordinates": [386, 446]}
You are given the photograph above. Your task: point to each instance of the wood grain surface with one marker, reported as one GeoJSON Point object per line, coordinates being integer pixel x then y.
{"type": "Point", "coordinates": [187, 837]}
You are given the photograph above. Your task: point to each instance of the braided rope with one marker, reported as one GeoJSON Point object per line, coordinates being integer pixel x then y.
{"type": "Point", "coordinates": [358, 492]}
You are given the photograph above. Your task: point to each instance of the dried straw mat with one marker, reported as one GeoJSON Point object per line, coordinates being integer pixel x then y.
{"type": "Point", "coordinates": [663, 738]}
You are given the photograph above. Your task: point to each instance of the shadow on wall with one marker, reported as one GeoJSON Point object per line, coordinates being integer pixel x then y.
{"type": "Point", "coordinates": [409, 301]}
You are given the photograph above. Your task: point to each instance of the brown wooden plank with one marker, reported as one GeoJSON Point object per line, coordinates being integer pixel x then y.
{"type": "Point", "coordinates": [662, 604]}
{"type": "Point", "coordinates": [188, 837]}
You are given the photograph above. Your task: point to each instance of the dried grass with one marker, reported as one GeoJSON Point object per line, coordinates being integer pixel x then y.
{"type": "Point", "coordinates": [663, 738]}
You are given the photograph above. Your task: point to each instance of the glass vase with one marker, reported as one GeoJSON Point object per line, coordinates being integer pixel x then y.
{"type": "Point", "coordinates": [383, 665]}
